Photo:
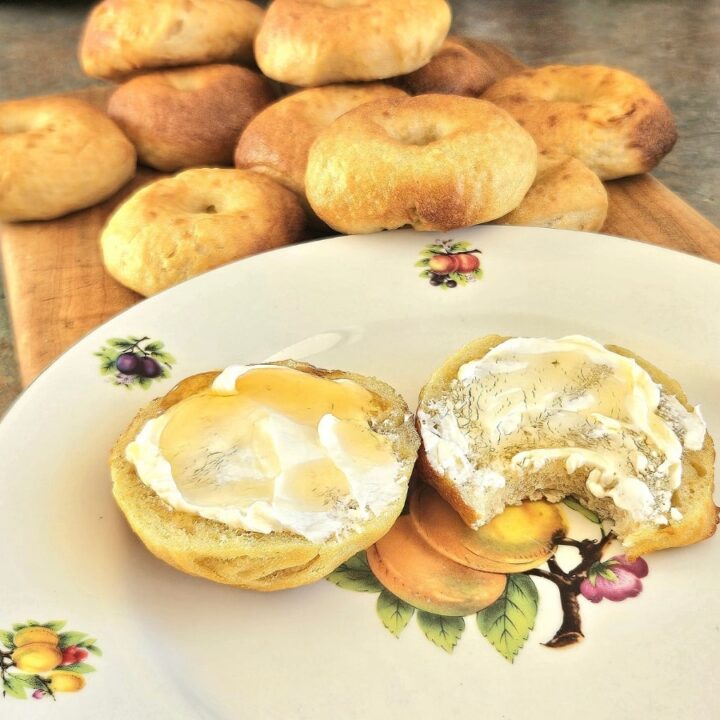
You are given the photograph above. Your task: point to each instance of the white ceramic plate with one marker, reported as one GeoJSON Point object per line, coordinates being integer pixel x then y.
{"type": "Point", "coordinates": [179, 647]}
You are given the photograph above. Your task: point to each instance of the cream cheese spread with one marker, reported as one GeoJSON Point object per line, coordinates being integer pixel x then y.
{"type": "Point", "coordinates": [269, 449]}
{"type": "Point", "coordinates": [529, 401]}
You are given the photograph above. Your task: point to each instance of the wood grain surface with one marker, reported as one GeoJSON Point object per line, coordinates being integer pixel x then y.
{"type": "Point", "coordinates": [58, 291]}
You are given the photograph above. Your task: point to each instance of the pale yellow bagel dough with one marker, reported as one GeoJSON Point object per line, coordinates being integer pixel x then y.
{"type": "Point", "coordinates": [58, 155]}
{"type": "Point", "coordinates": [122, 37]}
{"type": "Point", "coordinates": [434, 162]}
{"type": "Point", "coordinates": [315, 42]}
{"type": "Point", "coordinates": [179, 227]}
{"type": "Point", "coordinates": [612, 121]}
{"type": "Point", "coordinates": [565, 194]}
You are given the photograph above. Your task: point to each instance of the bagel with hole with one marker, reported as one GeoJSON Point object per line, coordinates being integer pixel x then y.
{"type": "Point", "coordinates": [453, 70]}
{"type": "Point", "coordinates": [187, 117]}
{"type": "Point", "coordinates": [256, 517]}
{"type": "Point", "coordinates": [434, 162]}
{"type": "Point", "coordinates": [123, 37]}
{"type": "Point", "coordinates": [277, 140]}
{"type": "Point", "coordinates": [58, 155]}
{"type": "Point", "coordinates": [565, 194]}
{"type": "Point", "coordinates": [505, 419]}
{"type": "Point", "coordinates": [317, 42]}
{"type": "Point", "coordinates": [609, 119]}
{"type": "Point", "coordinates": [199, 219]}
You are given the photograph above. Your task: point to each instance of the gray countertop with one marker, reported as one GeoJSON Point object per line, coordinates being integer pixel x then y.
{"type": "Point", "coordinates": [674, 45]}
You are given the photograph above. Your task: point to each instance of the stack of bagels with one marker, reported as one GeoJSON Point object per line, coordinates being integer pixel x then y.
{"type": "Point", "coordinates": [314, 115]}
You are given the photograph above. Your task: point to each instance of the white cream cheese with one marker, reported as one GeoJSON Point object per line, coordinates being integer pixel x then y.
{"type": "Point", "coordinates": [268, 449]}
{"type": "Point", "coordinates": [529, 401]}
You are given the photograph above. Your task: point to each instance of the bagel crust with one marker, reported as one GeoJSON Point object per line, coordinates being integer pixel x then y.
{"type": "Point", "coordinates": [316, 42]}
{"type": "Point", "coordinates": [179, 227]}
{"type": "Point", "coordinates": [435, 162]}
{"type": "Point", "coordinates": [565, 194]}
{"type": "Point", "coordinates": [453, 70]}
{"type": "Point", "coordinates": [58, 155]}
{"type": "Point", "coordinates": [276, 142]}
{"type": "Point", "coordinates": [694, 497]}
{"type": "Point", "coordinates": [610, 120]}
{"type": "Point", "coordinates": [122, 37]}
{"type": "Point", "coordinates": [257, 561]}
{"type": "Point", "coordinates": [187, 117]}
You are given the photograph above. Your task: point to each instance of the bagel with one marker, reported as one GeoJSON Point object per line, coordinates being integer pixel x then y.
{"type": "Point", "coordinates": [179, 227]}
{"type": "Point", "coordinates": [610, 120]}
{"type": "Point", "coordinates": [58, 155]}
{"type": "Point", "coordinates": [122, 37]}
{"type": "Point", "coordinates": [435, 162]}
{"type": "Point", "coordinates": [276, 142]}
{"type": "Point", "coordinates": [453, 70]}
{"type": "Point", "coordinates": [280, 558]}
{"type": "Point", "coordinates": [504, 419]}
{"type": "Point", "coordinates": [317, 42]}
{"type": "Point", "coordinates": [565, 194]}
{"type": "Point", "coordinates": [189, 116]}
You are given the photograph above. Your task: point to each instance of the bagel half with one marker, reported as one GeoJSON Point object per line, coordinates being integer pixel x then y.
{"type": "Point", "coordinates": [258, 561]}
{"type": "Point", "coordinates": [694, 497]}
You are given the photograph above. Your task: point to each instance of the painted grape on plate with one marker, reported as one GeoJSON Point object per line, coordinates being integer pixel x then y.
{"type": "Point", "coordinates": [134, 361]}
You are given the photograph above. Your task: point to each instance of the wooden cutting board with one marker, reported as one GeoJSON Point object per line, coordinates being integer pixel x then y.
{"type": "Point", "coordinates": [58, 291]}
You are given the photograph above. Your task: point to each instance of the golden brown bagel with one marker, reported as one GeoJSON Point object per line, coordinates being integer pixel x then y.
{"type": "Point", "coordinates": [435, 162]}
{"type": "Point", "coordinates": [276, 142]}
{"type": "Point", "coordinates": [179, 227]}
{"type": "Point", "coordinates": [315, 42]}
{"type": "Point", "coordinates": [273, 561]}
{"type": "Point", "coordinates": [186, 117]}
{"type": "Point", "coordinates": [565, 194]}
{"type": "Point", "coordinates": [453, 70]}
{"type": "Point", "coordinates": [694, 497]}
{"type": "Point", "coordinates": [58, 155]}
{"type": "Point", "coordinates": [122, 37]}
{"type": "Point", "coordinates": [612, 121]}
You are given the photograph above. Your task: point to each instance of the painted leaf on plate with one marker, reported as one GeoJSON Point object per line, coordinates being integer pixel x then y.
{"type": "Point", "coordinates": [442, 630]}
{"type": "Point", "coordinates": [13, 687]}
{"type": "Point", "coordinates": [355, 574]}
{"type": "Point", "coordinates": [574, 504]}
{"type": "Point", "coordinates": [394, 612]}
{"type": "Point", "coordinates": [71, 638]}
{"type": "Point", "coordinates": [508, 621]}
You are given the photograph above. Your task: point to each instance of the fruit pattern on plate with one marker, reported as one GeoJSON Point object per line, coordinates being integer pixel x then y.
{"type": "Point", "coordinates": [433, 566]}
{"type": "Point", "coordinates": [449, 264]}
{"type": "Point", "coordinates": [134, 361]}
{"type": "Point", "coordinates": [42, 659]}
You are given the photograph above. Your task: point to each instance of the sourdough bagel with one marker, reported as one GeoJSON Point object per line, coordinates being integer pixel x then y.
{"type": "Point", "coordinates": [453, 70]}
{"type": "Point", "coordinates": [179, 227]}
{"type": "Point", "coordinates": [122, 37]}
{"type": "Point", "coordinates": [565, 194]}
{"type": "Point", "coordinates": [693, 516]}
{"type": "Point", "coordinates": [276, 142]}
{"type": "Point", "coordinates": [435, 162]}
{"type": "Point", "coordinates": [612, 121]}
{"type": "Point", "coordinates": [189, 116]}
{"type": "Point", "coordinates": [259, 561]}
{"type": "Point", "coordinates": [316, 42]}
{"type": "Point", "coordinates": [58, 155]}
